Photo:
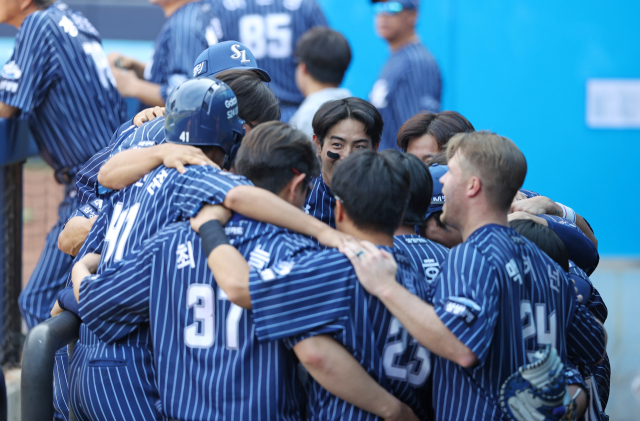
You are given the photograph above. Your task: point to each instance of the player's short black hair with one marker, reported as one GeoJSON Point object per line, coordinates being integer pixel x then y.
{"type": "Point", "coordinates": [421, 187]}
{"type": "Point", "coordinates": [333, 112]}
{"type": "Point", "coordinates": [545, 238]}
{"type": "Point", "coordinates": [440, 159]}
{"type": "Point", "coordinates": [43, 4]}
{"type": "Point", "coordinates": [374, 189]}
{"type": "Point", "coordinates": [442, 126]}
{"type": "Point", "coordinates": [256, 102]}
{"type": "Point", "coordinates": [270, 153]}
{"type": "Point", "coordinates": [326, 54]}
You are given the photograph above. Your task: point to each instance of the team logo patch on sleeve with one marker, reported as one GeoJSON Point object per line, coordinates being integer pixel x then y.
{"type": "Point", "coordinates": [11, 71]}
{"type": "Point", "coordinates": [464, 308]}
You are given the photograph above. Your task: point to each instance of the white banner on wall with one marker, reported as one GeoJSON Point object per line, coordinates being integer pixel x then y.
{"type": "Point", "coordinates": [613, 103]}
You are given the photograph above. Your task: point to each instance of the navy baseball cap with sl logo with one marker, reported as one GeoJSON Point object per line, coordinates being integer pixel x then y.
{"type": "Point", "coordinates": [225, 56]}
{"type": "Point", "coordinates": [437, 198]}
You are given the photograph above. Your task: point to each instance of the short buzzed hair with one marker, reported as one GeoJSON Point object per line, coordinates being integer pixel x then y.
{"type": "Point", "coordinates": [496, 160]}
{"type": "Point", "coordinates": [326, 53]}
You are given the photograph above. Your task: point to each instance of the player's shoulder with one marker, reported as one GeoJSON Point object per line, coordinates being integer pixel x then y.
{"type": "Point", "coordinates": [560, 220]}
{"type": "Point", "coordinates": [210, 173]}
{"type": "Point", "coordinates": [171, 236]}
{"type": "Point", "coordinates": [416, 241]}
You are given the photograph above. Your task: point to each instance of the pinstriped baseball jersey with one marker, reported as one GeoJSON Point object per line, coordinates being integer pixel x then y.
{"type": "Point", "coordinates": [270, 29]}
{"type": "Point", "coordinates": [60, 79]}
{"type": "Point", "coordinates": [209, 364]}
{"type": "Point", "coordinates": [320, 203]}
{"type": "Point", "coordinates": [186, 34]}
{"type": "Point", "coordinates": [409, 83]}
{"type": "Point", "coordinates": [503, 298]}
{"type": "Point", "coordinates": [424, 255]}
{"type": "Point", "coordinates": [320, 294]}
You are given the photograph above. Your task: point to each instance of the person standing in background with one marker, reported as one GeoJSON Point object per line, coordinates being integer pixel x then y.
{"type": "Point", "coordinates": [271, 30]}
{"type": "Point", "coordinates": [410, 81]}
{"type": "Point", "coordinates": [59, 80]}
{"type": "Point", "coordinates": [187, 32]}
{"type": "Point", "coordinates": [323, 57]}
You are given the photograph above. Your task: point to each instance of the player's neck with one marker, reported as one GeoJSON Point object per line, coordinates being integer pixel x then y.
{"type": "Point", "coordinates": [171, 8]}
{"type": "Point", "coordinates": [312, 86]}
{"type": "Point", "coordinates": [479, 219]}
{"type": "Point", "coordinates": [402, 40]}
{"type": "Point", "coordinates": [405, 230]}
{"type": "Point", "coordinates": [17, 20]}
{"type": "Point", "coordinates": [377, 238]}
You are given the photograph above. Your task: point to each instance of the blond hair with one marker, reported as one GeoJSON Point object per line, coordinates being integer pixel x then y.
{"type": "Point", "coordinates": [494, 159]}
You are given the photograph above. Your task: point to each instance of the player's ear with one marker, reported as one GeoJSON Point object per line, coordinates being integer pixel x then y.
{"type": "Point", "coordinates": [316, 143]}
{"type": "Point", "coordinates": [295, 186]}
{"type": "Point", "coordinates": [474, 185]}
{"type": "Point", "coordinates": [338, 212]}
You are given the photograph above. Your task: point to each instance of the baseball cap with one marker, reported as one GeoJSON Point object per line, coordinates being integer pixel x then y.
{"type": "Point", "coordinates": [395, 6]}
{"type": "Point", "coordinates": [437, 198]}
{"type": "Point", "coordinates": [225, 56]}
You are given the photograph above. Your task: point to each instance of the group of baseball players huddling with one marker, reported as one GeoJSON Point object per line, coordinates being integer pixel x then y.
{"type": "Point", "coordinates": [227, 265]}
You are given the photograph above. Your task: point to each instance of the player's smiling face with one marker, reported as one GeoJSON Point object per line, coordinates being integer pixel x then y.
{"type": "Point", "coordinates": [344, 138]}
{"type": "Point", "coordinates": [453, 188]}
{"type": "Point", "coordinates": [424, 147]}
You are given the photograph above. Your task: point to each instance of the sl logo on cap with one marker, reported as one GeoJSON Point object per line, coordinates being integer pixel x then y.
{"type": "Point", "coordinates": [237, 53]}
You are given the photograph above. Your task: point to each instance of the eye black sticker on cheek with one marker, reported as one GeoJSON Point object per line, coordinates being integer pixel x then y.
{"type": "Point", "coordinates": [333, 155]}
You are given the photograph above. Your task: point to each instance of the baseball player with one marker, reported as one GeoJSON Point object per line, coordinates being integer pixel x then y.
{"type": "Point", "coordinates": [187, 32]}
{"type": "Point", "coordinates": [425, 255]}
{"type": "Point", "coordinates": [259, 378]}
{"type": "Point", "coordinates": [410, 80]}
{"type": "Point", "coordinates": [271, 29]}
{"type": "Point", "coordinates": [499, 298]}
{"type": "Point", "coordinates": [318, 294]}
{"type": "Point", "coordinates": [340, 128]}
{"type": "Point", "coordinates": [56, 79]}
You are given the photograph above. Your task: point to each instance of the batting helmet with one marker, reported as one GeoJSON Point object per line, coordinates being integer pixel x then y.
{"type": "Point", "coordinates": [204, 112]}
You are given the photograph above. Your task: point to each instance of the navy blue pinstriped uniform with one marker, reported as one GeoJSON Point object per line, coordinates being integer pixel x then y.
{"type": "Point", "coordinates": [321, 202]}
{"type": "Point", "coordinates": [409, 83]}
{"type": "Point", "coordinates": [128, 218]}
{"type": "Point", "coordinates": [271, 30]}
{"type": "Point", "coordinates": [424, 255]}
{"type": "Point", "coordinates": [320, 294]}
{"type": "Point", "coordinates": [186, 34]}
{"type": "Point", "coordinates": [596, 376]}
{"type": "Point", "coordinates": [503, 298]}
{"type": "Point", "coordinates": [208, 363]}
{"type": "Point", "coordinates": [59, 78]}
{"type": "Point", "coordinates": [580, 248]}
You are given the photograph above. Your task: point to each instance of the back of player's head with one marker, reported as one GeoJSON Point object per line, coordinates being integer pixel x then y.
{"type": "Point", "coordinates": [257, 103]}
{"type": "Point", "coordinates": [203, 112]}
{"type": "Point", "coordinates": [326, 54]}
{"type": "Point", "coordinates": [272, 153]}
{"type": "Point", "coordinates": [225, 56]}
{"type": "Point", "coordinates": [333, 112]}
{"type": "Point", "coordinates": [495, 160]}
{"type": "Point", "coordinates": [374, 189]}
{"type": "Point", "coordinates": [442, 126]}
{"type": "Point", "coordinates": [421, 187]}
{"type": "Point", "coordinates": [545, 238]}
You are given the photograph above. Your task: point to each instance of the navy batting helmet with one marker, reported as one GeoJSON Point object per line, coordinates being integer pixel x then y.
{"type": "Point", "coordinates": [204, 112]}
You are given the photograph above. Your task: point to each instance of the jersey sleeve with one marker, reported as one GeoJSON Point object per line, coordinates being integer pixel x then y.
{"type": "Point", "coordinates": [114, 303]}
{"type": "Point", "coordinates": [310, 296]}
{"type": "Point", "coordinates": [585, 336]}
{"type": "Point", "coordinates": [580, 248]}
{"type": "Point", "coordinates": [188, 42]}
{"type": "Point", "coordinates": [466, 299]}
{"type": "Point", "coordinates": [200, 185]}
{"type": "Point", "coordinates": [25, 80]}
{"type": "Point", "coordinates": [67, 300]}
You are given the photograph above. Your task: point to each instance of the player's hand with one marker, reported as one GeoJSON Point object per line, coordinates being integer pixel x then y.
{"type": "Point", "coordinates": [404, 413]}
{"type": "Point", "coordinates": [126, 82]}
{"type": "Point", "coordinates": [524, 215]}
{"type": "Point", "coordinates": [333, 238]}
{"type": "Point", "coordinates": [580, 297]}
{"type": "Point", "coordinates": [91, 261]}
{"type": "Point", "coordinates": [119, 61]}
{"type": "Point", "coordinates": [519, 196]}
{"type": "Point", "coordinates": [210, 213]}
{"type": "Point", "coordinates": [376, 269]}
{"type": "Point", "coordinates": [56, 309]}
{"type": "Point", "coordinates": [538, 205]}
{"type": "Point", "coordinates": [177, 156]}
{"type": "Point", "coordinates": [148, 115]}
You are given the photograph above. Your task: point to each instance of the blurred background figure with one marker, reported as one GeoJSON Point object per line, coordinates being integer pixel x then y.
{"type": "Point", "coordinates": [186, 33]}
{"type": "Point", "coordinates": [323, 57]}
{"type": "Point", "coordinates": [270, 29]}
{"type": "Point", "coordinates": [410, 80]}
